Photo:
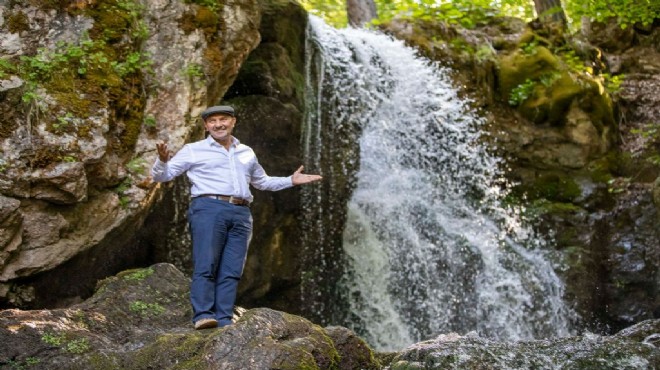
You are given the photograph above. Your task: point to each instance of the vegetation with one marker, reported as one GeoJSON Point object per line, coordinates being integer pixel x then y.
{"type": "Point", "coordinates": [468, 13]}
{"type": "Point", "coordinates": [104, 69]}
{"type": "Point", "coordinates": [144, 309]}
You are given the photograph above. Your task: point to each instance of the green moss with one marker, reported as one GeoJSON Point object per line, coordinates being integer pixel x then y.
{"type": "Point", "coordinates": [516, 68]}
{"type": "Point", "coordinates": [184, 351]}
{"type": "Point", "coordinates": [136, 274]}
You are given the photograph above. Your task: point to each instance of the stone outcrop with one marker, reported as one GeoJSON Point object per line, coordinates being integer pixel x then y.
{"type": "Point", "coordinates": [140, 319]}
{"type": "Point", "coordinates": [86, 90]}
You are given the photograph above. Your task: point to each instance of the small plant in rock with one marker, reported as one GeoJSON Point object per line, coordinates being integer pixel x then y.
{"type": "Point", "coordinates": [144, 309]}
{"type": "Point", "coordinates": [193, 71]}
{"type": "Point", "coordinates": [139, 274]}
{"type": "Point", "coordinates": [63, 122]}
{"type": "Point", "coordinates": [53, 339]}
{"type": "Point", "coordinates": [150, 121]}
{"type": "Point", "coordinates": [530, 47]}
{"type": "Point", "coordinates": [618, 185]}
{"type": "Point", "coordinates": [521, 92]}
{"type": "Point", "coordinates": [549, 79]}
{"type": "Point", "coordinates": [77, 346]}
{"type": "Point", "coordinates": [136, 166]}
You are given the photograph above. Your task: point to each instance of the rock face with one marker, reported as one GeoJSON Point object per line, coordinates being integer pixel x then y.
{"type": "Point", "coordinates": [575, 156]}
{"type": "Point", "coordinates": [139, 319]}
{"type": "Point", "coordinates": [86, 90]}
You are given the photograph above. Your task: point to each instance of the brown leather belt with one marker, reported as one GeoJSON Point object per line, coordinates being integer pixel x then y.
{"type": "Point", "coordinates": [227, 198]}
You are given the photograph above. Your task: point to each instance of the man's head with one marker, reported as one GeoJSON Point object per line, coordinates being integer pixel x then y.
{"type": "Point", "coordinates": [219, 121]}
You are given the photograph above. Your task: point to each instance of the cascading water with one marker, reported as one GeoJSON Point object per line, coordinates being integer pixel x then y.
{"type": "Point", "coordinates": [426, 246]}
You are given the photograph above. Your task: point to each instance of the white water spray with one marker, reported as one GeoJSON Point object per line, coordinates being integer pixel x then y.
{"type": "Point", "coordinates": [428, 248]}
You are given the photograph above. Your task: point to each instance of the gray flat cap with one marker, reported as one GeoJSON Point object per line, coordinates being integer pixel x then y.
{"type": "Point", "coordinates": [218, 109]}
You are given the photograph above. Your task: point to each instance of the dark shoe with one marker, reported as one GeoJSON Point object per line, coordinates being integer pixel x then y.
{"type": "Point", "coordinates": [207, 323]}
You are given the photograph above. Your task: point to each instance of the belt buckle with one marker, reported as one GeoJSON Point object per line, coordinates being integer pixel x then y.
{"type": "Point", "coordinates": [231, 199]}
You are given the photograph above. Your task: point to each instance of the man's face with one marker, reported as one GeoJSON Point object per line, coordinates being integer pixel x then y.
{"type": "Point", "coordinates": [220, 126]}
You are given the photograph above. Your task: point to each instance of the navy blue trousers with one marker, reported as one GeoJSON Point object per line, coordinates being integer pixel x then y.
{"type": "Point", "coordinates": [221, 233]}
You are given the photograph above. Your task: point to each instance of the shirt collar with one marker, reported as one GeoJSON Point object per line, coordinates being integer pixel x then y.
{"type": "Point", "coordinates": [234, 141]}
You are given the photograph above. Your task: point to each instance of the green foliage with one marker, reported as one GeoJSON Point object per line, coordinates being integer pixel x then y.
{"type": "Point", "coordinates": [572, 60]}
{"type": "Point", "coordinates": [144, 309]}
{"type": "Point", "coordinates": [67, 158]}
{"type": "Point", "coordinates": [53, 339]}
{"type": "Point", "coordinates": [522, 92]}
{"type": "Point", "coordinates": [485, 52]}
{"type": "Point", "coordinates": [6, 68]}
{"type": "Point", "coordinates": [469, 13]}
{"type": "Point", "coordinates": [63, 122]}
{"type": "Point", "coordinates": [618, 185]}
{"type": "Point", "coordinates": [613, 83]}
{"type": "Point", "coordinates": [333, 12]}
{"type": "Point", "coordinates": [150, 121]}
{"type": "Point", "coordinates": [626, 12]}
{"type": "Point", "coordinates": [134, 62]}
{"type": "Point", "coordinates": [464, 12]}
{"type": "Point", "coordinates": [29, 363]}
{"type": "Point", "coordinates": [193, 71]}
{"type": "Point", "coordinates": [77, 346]}
{"type": "Point", "coordinates": [140, 274]}
{"type": "Point", "coordinates": [530, 47]}
{"type": "Point", "coordinates": [3, 165]}
{"type": "Point", "coordinates": [548, 79]}
{"type": "Point", "coordinates": [124, 200]}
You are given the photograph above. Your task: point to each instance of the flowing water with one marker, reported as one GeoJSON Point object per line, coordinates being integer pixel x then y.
{"type": "Point", "coordinates": [426, 248]}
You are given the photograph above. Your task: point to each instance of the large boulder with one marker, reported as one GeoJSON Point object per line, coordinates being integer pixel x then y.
{"type": "Point", "coordinates": [140, 319]}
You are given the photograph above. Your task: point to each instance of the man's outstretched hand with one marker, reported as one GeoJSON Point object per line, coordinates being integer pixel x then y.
{"type": "Point", "coordinates": [163, 154]}
{"type": "Point", "coordinates": [300, 178]}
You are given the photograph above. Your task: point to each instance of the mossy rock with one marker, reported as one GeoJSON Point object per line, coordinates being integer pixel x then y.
{"type": "Point", "coordinates": [517, 67]}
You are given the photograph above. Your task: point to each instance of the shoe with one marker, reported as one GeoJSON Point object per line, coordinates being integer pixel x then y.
{"type": "Point", "coordinates": [207, 323]}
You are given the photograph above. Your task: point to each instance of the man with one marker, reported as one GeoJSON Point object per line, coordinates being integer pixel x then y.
{"type": "Point", "coordinates": [221, 170]}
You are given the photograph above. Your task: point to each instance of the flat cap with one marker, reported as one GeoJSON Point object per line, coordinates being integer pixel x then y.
{"type": "Point", "coordinates": [218, 109]}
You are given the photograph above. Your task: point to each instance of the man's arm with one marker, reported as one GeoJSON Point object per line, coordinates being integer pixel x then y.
{"type": "Point", "coordinates": [167, 167]}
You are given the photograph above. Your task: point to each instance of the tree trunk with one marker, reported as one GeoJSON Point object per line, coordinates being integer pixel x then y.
{"type": "Point", "coordinates": [550, 11]}
{"type": "Point", "coordinates": [360, 12]}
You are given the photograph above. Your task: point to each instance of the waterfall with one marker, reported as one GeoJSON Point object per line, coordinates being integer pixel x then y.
{"type": "Point", "coordinates": [423, 245]}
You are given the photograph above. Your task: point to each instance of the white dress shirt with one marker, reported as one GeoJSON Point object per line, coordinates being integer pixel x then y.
{"type": "Point", "coordinates": [212, 169]}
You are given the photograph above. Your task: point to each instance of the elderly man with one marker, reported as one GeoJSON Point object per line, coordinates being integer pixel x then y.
{"type": "Point", "coordinates": [221, 170]}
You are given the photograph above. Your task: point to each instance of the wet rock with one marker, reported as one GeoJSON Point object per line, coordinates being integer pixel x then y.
{"type": "Point", "coordinates": [588, 351]}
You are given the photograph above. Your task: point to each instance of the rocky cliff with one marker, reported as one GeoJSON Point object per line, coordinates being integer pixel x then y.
{"type": "Point", "coordinates": [88, 88]}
